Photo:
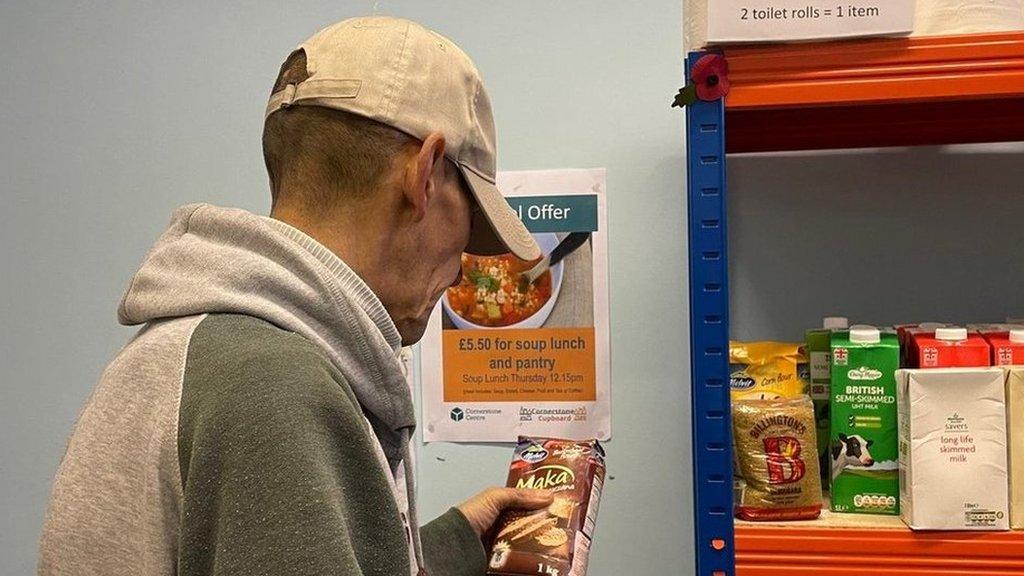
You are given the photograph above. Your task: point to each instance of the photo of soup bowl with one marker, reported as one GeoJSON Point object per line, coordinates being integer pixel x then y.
{"type": "Point", "coordinates": [494, 280]}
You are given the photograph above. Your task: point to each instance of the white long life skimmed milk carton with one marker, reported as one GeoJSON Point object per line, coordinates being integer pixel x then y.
{"type": "Point", "coordinates": [952, 449]}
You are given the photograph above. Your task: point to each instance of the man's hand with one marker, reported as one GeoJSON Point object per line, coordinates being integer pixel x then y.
{"type": "Point", "coordinates": [483, 509]}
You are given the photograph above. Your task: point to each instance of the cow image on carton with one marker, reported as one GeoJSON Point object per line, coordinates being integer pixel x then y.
{"type": "Point", "coordinates": [950, 347]}
{"type": "Point", "coordinates": [863, 439]}
{"type": "Point", "coordinates": [851, 451]}
{"type": "Point", "coordinates": [1015, 440]}
{"type": "Point", "coordinates": [953, 466]}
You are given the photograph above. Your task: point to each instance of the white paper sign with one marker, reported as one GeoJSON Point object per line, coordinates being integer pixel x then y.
{"type": "Point", "coordinates": [783, 20]}
{"type": "Point", "coordinates": [502, 357]}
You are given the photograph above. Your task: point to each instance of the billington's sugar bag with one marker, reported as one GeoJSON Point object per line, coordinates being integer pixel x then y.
{"type": "Point", "coordinates": [777, 459]}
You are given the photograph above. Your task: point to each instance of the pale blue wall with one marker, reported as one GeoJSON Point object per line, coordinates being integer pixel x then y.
{"type": "Point", "coordinates": [114, 113]}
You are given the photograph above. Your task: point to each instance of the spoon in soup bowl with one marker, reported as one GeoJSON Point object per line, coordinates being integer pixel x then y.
{"type": "Point", "coordinates": [567, 246]}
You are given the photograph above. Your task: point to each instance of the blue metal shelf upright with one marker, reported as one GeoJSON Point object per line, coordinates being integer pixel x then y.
{"type": "Point", "coordinates": [709, 335]}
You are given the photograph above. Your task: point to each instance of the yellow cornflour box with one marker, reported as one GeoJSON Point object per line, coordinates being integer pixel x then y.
{"type": "Point", "coordinates": [767, 370]}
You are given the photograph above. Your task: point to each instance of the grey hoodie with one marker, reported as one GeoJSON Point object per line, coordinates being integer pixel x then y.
{"type": "Point", "coordinates": [259, 422]}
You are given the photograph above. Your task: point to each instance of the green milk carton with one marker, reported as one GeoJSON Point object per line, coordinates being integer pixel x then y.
{"type": "Point", "coordinates": [819, 354]}
{"type": "Point", "coordinates": [864, 439]}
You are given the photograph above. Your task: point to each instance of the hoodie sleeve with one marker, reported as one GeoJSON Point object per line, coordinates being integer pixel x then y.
{"type": "Point", "coordinates": [278, 471]}
{"type": "Point", "coordinates": [451, 547]}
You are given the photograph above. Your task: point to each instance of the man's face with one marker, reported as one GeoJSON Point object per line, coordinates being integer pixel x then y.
{"type": "Point", "coordinates": [442, 237]}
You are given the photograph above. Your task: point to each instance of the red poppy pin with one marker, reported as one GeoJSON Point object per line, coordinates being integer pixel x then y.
{"type": "Point", "coordinates": [709, 81]}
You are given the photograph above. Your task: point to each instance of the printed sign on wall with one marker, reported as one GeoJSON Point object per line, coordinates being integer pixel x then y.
{"type": "Point", "coordinates": [783, 20]}
{"type": "Point", "coordinates": [512, 350]}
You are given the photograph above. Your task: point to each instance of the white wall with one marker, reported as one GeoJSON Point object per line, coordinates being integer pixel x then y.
{"type": "Point", "coordinates": [116, 112]}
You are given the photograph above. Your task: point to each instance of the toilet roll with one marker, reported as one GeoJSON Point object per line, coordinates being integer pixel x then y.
{"type": "Point", "coordinates": [943, 17]}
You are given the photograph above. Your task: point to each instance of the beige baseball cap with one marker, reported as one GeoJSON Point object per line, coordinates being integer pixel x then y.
{"type": "Point", "coordinates": [413, 79]}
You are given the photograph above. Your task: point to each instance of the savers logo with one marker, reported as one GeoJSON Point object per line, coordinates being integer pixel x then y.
{"type": "Point", "coordinates": [956, 423]}
{"type": "Point", "coordinates": [864, 373]}
{"type": "Point", "coordinates": [547, 477]}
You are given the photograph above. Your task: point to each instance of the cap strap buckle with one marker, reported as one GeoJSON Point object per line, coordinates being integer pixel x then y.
{"type": "Point", "coordinates": [288, 96]}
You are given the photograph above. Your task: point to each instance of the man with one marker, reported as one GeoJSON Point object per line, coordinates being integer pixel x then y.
{"type": "Point", "coordinates": [260, 422]}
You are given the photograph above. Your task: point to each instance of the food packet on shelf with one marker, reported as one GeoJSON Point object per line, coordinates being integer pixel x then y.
{"type": "Point", "coordinates": [777, 461]}
{"type": "Point", "coordinates": [767, 370]}
{"type": "Point", "coordinates": [554, 540]}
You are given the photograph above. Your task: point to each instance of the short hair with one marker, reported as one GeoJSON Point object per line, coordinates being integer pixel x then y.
{"type": "Point", "coordinates": [322, 145]}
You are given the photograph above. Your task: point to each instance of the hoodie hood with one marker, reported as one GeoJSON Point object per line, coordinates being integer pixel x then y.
{"type": "Point", "coordinates": [222, 260]}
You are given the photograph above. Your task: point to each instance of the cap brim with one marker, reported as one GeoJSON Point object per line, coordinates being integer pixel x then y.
{"type": "Point", "coordinates": [497, 229]}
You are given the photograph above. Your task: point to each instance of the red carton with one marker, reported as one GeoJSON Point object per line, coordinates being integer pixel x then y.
{"type": "Point", "coordinates": [950, 348]}
{"type": "Point", "coordinates": [905, 334]}
{"type": "Point", "coordinates": [1007, 343]}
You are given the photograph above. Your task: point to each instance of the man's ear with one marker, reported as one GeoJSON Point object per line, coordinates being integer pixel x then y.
{"type": "Point", "coordinates": [418, 186]}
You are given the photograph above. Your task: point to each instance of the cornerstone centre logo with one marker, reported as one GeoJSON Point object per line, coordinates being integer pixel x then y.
{"type": "Point", "coordinates": [457, 414]}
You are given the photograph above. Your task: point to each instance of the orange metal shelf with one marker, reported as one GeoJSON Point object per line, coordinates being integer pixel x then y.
{"type": "Point", "coordinates": [889, 92]}
{"type": "Point", "coordinates": [788, 551]}
{"type": "Point", "coordinates": [869, 93]}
